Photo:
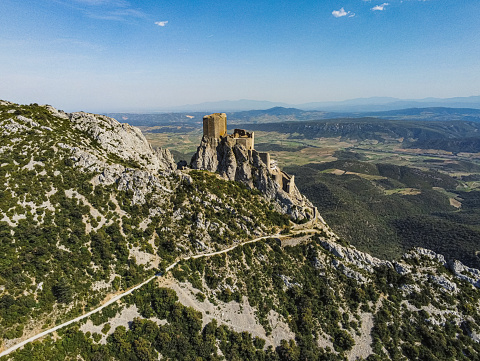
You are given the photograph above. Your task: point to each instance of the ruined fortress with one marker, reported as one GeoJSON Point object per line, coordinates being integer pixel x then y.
{"type": "Point", "coordinates": [215, 126]}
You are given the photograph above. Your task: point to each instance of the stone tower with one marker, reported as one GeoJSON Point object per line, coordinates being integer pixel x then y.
{"type": "Point", "coordinates": [215, 125]}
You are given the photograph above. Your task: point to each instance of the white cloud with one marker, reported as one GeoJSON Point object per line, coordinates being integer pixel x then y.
{"type": "Point", "coordinates": [380, 7]}
{"type": "Point", "coordinates": [342, 12]}
{"type": "Point", "coordinates": [161, 23]}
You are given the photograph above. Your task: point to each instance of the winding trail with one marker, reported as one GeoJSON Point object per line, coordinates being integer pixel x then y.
{"type": "Point", "coordinates": [129, 291]}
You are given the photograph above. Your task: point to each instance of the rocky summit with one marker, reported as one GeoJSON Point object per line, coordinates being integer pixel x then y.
{"type": "Point", "coordinates": [109, 252]}
{"type": "Point", "coordinates": [234, 158]}
{"type": "Point", "coordinates": [233, 162]}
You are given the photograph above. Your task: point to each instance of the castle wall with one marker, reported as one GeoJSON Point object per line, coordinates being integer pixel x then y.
{"type": "Point", "coordinates": [265, 157]}
{"type": "Point", "coordinates": [287, 182]}
{"type": "Point", "coordinates": [291, 185]}
{"type": "Point", "coordinates": [215, 125]}
{"type": "Point", "coordinates": [242, 137]}
{"type": "Point", "coordinates": [246, 142]}
{"type": "Point", "coordinates": [278, 178]}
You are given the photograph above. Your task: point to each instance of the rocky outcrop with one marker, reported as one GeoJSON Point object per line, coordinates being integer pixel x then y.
{"type": "Point", "coordinates": [419, 252]}
{"type": "Point", "coordinates": [345, 257]}
{"type": "Point", "coordinates": [350, 255]}
{"type": "Point", "coordinates": [234, 162]}
{"type": "Point", "coordinates": [21, 124]}
{"type": "Point", "coordinates": [142, 164]}
{"type": "Point", "coordinates": [471, 275]}
{"type": "Point", "coordinates": [165, 159]}
{"type": "Point", "coordinates": [123, 140]}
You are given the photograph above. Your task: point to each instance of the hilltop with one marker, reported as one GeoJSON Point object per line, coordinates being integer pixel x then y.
{"type": "Point", "coordinates": [86, 186]}
{"type": "Point", "coordinates": [90, 209]}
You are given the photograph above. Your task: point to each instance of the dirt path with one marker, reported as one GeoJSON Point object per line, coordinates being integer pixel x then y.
{"type": "Point", "coordinates": [129, 291]}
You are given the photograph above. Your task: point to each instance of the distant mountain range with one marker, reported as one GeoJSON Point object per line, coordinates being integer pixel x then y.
{"type": "Point", "coordinates": [373, 128]}
{"type": "Point", "coordinates": [282, 114]}
{"type": "Point", "coordinates": [278, 114]}
{"type": "Point", "coordinates": [351, 105]}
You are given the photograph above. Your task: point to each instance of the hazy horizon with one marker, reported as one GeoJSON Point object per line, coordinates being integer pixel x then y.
{"type": "Point", "coordinates": [113, 55]}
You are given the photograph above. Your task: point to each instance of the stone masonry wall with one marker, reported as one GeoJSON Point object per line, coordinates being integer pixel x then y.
{"type": "Point", "coordinates": [215, 125]}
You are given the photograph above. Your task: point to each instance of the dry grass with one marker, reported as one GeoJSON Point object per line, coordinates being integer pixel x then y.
{"type": "Point", "coordinates": [403, 191]}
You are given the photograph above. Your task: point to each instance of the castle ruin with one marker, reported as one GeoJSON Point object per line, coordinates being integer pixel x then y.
{"type": "Point", "coordinates": [215, 126]}
{"type": "Point", "coordinates": [244, 138]}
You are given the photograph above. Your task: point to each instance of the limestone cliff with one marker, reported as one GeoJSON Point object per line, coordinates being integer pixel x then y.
{"type": "Point", "coordinates": [142, 165]}
{"type": "Point", "coordinates": [123, 140]}
{"type": "Point", "coordinates": [234, 162]}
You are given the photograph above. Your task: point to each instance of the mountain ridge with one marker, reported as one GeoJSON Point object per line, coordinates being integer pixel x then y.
{"type": "Point", "coordinates": [84, 184]}
{"type": "Point", "coordinates": [351, 105]}
{"type": "Point", "coordinates": [89, 208]}
{"type": "Point", "coordinates": [282, 114]}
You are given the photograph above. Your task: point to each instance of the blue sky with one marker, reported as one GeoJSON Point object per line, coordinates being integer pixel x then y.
{"type": "Point", "coordinates": [121, 55]}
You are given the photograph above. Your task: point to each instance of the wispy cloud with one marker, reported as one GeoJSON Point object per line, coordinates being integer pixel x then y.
{"type": "Point", "coordinates": [118, 10]}
{"type": "Point", "coordinates": [161, 23]}
{"type": "Point", "coordinates": [118, 15]}
{"type": "Point", "coordinates": [117, 3]}
{"type": "Point", "coordinates": [342, 12]}
{"type": "Point", "coordinates": [380, 7]}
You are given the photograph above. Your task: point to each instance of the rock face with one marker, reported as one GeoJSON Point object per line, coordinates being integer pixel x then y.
{"type": "Point", "coordinates": [345, 257]}
{"type": "Point", "coordinates": [125, 141]}
{"type": "Point", "coordinates": [142, 162]}
{"type": "Point", "coordinates": [234, 162]}
{"type": "Point", "coordinates": [351, 255]}
{"type": "Point", "coordinates": [471, 275]}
